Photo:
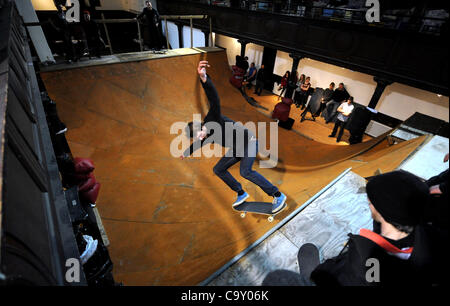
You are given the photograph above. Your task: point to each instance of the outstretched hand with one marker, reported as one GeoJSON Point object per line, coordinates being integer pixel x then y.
{"type": "Point", "coordinates": [201, 70]}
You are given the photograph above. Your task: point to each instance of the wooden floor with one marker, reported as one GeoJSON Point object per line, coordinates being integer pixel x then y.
{"type": "Point", "coordinates": [170, 221]}
{"type": "Point", "coordinates": [317, 130]}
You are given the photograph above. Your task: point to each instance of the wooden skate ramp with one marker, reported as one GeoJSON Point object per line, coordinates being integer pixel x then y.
{"type": "Point", "coordinates": [170, 221]}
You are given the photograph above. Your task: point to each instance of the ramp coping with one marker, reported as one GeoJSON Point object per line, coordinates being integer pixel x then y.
{"type": "Point", "coordinates": [273, 230]}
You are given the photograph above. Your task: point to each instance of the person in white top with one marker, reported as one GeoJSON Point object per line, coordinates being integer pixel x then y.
{"type": "Point", "coordinates": [344, 110]}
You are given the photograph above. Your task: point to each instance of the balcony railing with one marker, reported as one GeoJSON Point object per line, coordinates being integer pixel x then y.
{"type": "Point", "coordinates": [427, 21]}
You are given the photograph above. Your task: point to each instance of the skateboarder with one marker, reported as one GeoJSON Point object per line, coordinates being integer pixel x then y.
{"type": "Point", "coordinates": [249, 147]}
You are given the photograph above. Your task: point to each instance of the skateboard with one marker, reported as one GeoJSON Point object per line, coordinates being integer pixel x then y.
{"type": "Point", "coordinates": [263, 208]}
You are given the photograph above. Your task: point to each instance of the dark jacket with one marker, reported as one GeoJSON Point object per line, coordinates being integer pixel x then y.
{"type": "Point", "coordinates": [426, 266]}
{"type": "Point", "coordinates": [340, 95]}
{"type": "Point", "coordinates": [215, 115]}
{"type": "Point", "coordinates": [260, 75]}
{"type": "Point", "coordinates": [151, 16]}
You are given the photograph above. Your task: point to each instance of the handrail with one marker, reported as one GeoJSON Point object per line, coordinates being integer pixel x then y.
{"type": "Point", "coordinates": [163, 17]}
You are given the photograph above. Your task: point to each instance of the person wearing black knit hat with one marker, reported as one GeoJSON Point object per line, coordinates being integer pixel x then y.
{"type": "Point", "coordinates": [402, 249]}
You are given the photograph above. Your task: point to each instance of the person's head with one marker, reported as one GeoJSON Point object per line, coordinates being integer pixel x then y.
{"type": "Point", "coordinates": [307, 80]}
{"type": "Point", "coordinates": [86, 15]}
{"type": "Point", "coordinates": [252, 65]}
{"type": "Point", "coordinates": [262, 66]}
{"type": "Point", "coordinates": [246, 58]}
{"type": "Point", "coordinates": [397, 198]}
{"type": "Point", "coordinates": [350, 100]}
{"type": "Point", "coordinates": [148, 4]}
{"type": "Point", "coordinates": [197, 131]}
{"type": "Point", "coordinates": [302, 77]}
{"type": "Point", "coordinates": [331, 85]}
{"type": "Point", "coordinates": [287, 74]}
{"type": "Point", "coordinates": [341, 86]}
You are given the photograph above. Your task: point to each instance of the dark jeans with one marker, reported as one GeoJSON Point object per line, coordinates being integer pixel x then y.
{"type": "Point", "coordinates": [259, 87]}
{"type": "Point", "coordinates": [339, 124]}
{"type": "Point", "coordinates": [221, 170]}
{"type": "Point", "coordinates": [250, 80]}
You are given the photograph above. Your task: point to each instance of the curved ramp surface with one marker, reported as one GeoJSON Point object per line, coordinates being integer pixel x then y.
{"type": "Point", "coordinates": [170, 221]}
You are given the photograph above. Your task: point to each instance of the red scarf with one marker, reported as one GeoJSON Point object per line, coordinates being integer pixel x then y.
{"type": "Point", "coordinates": [391, 249]}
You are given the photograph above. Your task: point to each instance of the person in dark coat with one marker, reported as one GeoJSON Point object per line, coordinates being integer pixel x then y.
{"type": "Point", "coordinates": [401, 250]}
{"type": "Point", "coordinates": [152, 20]}
{"type": "Point", "coordinates": [437, 213]}
{"type": "Point", "coordinates": [260, 79]}
{"type": "Point", "coordinates": [91, 30]}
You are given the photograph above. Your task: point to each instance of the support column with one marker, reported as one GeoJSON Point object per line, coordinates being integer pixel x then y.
{"type": "Point", "coordinates": [206, 33]}
{"type": "Point", "coordinates": [381, 85]}
{"type": "Point", "coordinates": [180, 34]}
{"type": "Point", "coordinates": [295, 61]}
{"type": "Point", "coordinates": [243, 45]}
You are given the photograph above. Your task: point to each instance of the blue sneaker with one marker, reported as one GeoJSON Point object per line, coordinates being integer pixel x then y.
{"type": "Point", "coordinates": [241, 199]}
{"type": "Point", "coordinates": [278, 203]}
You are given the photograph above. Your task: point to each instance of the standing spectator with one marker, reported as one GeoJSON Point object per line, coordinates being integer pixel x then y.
{"type": "Point", "coordinates": [94, 41]}
{"type": "Point", "coordinates": [260, 79]}
{"type": "Point", "coordinates": [245, 64]}
{"type": "Point", "coordinates": [326, 97]}
{"type": "Point", "coordinates": [284, 83]}
{"type": "Point", "coordinates": [64, 27]}
{"type": "Point", "coordinates": [304, 93]}
{"type": "Point", "coordinates": [152, 20]}
{"type": "Point", "coordinates": [344, 111]}
{"type": "Point", "coordinates": [298, 90]}
{"type": "Point", "coordinates": [251, 75]}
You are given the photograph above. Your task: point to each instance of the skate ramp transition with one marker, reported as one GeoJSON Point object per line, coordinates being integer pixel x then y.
{"type": "Point", "coordinates": [170, 221]}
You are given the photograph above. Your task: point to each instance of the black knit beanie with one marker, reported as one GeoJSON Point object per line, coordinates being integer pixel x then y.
{"type": "Point", "coordinates": [398, 196]}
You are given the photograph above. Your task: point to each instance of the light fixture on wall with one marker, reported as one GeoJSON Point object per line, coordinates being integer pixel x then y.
{"type": "Point", "coordinates": [439, 95]}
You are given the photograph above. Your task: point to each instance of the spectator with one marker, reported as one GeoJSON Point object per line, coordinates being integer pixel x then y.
{"type": "Point", "coordinates": [63, 26]}
{"type": "Point", "coordinates": [245, 64]}
{"type": "Point", "coordinates": [284, 83]}
{"type": "Point", "coordinates": [298, 89]}
{"type": "Point", "coordinates": [304, 93]}
{"type": "Point", "coordinates": [94, 41]}
{"type": "Point", "coordinates": [407, 251]}
{"type": "Point", "coordinates": [260, 79]}
{"type": "Point", "coordinates": [326, 97]}
{"type": "Point", "coordinates": [339, 95]}
{"type": "Point", "coordinates": [151, 17]}
{"type": "Point", "coordinates": [344, 110]}
{"type": "Point", "coordinates": [251, 75]}
{"type": "Point", "coordinates": [437, 212]}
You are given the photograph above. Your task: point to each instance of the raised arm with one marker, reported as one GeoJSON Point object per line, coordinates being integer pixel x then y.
{"type": "Point", "coordinates": [211, 92]}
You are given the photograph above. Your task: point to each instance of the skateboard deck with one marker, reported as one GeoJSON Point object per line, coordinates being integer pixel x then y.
{"type": "Point", "coordinates": [263, 208]}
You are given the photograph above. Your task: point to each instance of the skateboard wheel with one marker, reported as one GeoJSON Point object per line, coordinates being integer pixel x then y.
{"type": "Point", "coordinates": [270, 219]}
{"type": "Point", "coordinates": [242, 215]}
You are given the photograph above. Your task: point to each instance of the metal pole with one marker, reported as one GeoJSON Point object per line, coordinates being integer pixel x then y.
{"type": "Point", "coordinates": [107, 35]}
{"type": "Point", "coordinates": [192, 35]}
{"type": "Point", "coordinates": [167, 34]}
{"type": "Point", "coordinates": [211, 43]}
{"type": "Point", "coordinates": [139, 35]}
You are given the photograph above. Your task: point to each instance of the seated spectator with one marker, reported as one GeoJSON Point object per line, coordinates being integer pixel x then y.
{"type": "Point", "coordinates": [284, 83]}
{"type": "Point", "coordinates": [298, 90]}
{"type": "Point", "coordinates": [251, 75]}
{"type": "Point", "coordinates": [304, 93]}
{"type": "Point", "coordinates": [344, 110]}
{"type": "Point", "coordinates": [406, 252]}
{"type": "Point", "coordinates": [339, 95]}
{"type": "Point", "coordinates": [326, 97]}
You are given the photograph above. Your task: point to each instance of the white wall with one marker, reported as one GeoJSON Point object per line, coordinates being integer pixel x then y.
{"type": "Point", "coordinates": [173, 34]}
{"type": "Point", "coordinates": [253, 51]}
{"type": "Point", "coordinates": [198, 37]}
{"type": "Point", "coordinates": [398, 100]}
